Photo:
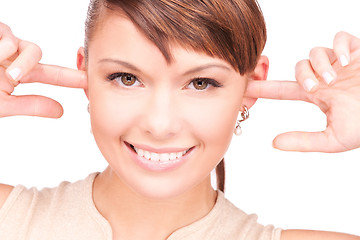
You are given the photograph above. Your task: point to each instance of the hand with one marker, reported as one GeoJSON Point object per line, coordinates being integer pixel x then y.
{"type": "Point", "coordinates": [19, 63]}
{"type": "Point", "coordinates": [330, 79]}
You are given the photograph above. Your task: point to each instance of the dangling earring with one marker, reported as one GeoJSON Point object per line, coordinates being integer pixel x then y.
{"type": "Point", "coordinates": [244, 115]}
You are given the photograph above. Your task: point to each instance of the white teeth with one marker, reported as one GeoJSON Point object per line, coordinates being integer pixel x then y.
{"type": "Point", "coordinates": [172, 156]}
{"type": "Point", "coordinates": [164, 157]}
{"type": "Point", "coordinates": [155, 157]}
{"type": "Point", "coordinates": [159, 157]}
{"type": "Point", "coordinates": [147, 155]}
{"type": "Point", "coordinates": [140, 152]}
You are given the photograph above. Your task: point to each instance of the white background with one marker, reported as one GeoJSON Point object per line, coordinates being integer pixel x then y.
{"type": "Point", "coordinates": [289, 190]}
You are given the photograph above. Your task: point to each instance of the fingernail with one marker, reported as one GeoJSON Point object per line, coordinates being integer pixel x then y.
{"type": "Point", "coordinates": [15, 73]}
{"type": "Point", "coordinates": [328, 77]}
{"type": "Point", "coordinates": [344, 61]}
{"type": "Point", "coordinates": [309, 84]}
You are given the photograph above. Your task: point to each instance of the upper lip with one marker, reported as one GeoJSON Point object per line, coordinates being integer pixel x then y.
{"type": "Point", "coordinates": [158, 150]}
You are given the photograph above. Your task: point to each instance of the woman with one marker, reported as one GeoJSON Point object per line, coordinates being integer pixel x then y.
{"type": "Point", "coordinates": [152, 85]}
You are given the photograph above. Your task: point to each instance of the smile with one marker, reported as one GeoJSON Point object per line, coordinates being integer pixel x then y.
{"type": "Point", "coordinates": [159, 160]}
{"type": "Point", "coordinates": [159, 157]}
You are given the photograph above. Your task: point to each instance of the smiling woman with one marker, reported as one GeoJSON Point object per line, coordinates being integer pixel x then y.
{"type": "Point", "coordinates": [218, 33]}
{"type": "Point", "coordinates": [148, 75]}
{"type": "Point", "coordinates": [165, 81]}
{"type": "Point", "coordinates": [160, 94]}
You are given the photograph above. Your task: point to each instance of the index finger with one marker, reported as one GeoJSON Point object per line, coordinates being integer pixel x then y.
{"type": "Point", "coordinates": [56, 75]}
{"type": "Point", "coordinates": [280, 90]}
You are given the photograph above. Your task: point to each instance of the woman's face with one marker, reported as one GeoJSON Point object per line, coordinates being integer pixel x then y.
{"type": "Point", "coordinates": [161, 126]}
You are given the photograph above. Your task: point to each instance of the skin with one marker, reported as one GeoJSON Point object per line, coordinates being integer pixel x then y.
{"type": "Point", "coordinates": [151, 193]}
{"type": "Point", "coordinates": [331, 99]}
{"type": "Point", "coordinates": [164, 111]}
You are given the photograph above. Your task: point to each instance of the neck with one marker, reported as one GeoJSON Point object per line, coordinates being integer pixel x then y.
{"type": "Point", "coordinates": [132, 216]}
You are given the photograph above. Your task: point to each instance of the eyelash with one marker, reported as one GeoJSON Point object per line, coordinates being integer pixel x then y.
{"type": "Point", "coordinates": [209, 81]}
{"type": "Point", "coordinates": [114, 76]}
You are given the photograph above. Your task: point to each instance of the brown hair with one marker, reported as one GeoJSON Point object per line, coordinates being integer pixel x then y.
{"type": "Point", "coordinates": [233, 30]}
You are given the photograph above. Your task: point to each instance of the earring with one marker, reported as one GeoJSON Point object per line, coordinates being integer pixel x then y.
{"type": "Point", "coordinates": [244, 115]}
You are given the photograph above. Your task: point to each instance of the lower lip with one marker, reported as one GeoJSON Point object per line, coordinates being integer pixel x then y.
{"type": "Point", "coordinates": [158, 166]}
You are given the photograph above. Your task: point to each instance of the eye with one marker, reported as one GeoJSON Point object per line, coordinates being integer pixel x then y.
{"type": "Point", "coordinates": [125, 79]}
{"type": "Point", "coordinates": [201, 84]}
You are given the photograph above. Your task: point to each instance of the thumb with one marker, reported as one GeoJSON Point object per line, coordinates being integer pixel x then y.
{"type": "Point", "coordinates": [305, 142]}
{"type": "Point", "coordinates": [31, 105]}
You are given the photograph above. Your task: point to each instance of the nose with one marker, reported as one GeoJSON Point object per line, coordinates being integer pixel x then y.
{"type": "Point", "coordinates": [161, 119]}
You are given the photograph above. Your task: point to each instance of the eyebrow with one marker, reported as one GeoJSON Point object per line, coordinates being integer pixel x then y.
{"type": "Point", "coordinates": [206, 66]}
{"type": "Point", "coordinates": [191, 71]}
{"type": "Point", "coordinates": [120, 62]}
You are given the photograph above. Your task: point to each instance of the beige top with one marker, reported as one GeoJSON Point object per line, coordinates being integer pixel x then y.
{"type": "Point", "coordinates": [68, 212]}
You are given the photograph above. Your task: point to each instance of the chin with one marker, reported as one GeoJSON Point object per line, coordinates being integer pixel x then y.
{"type": "Point", "coordinates": [162, 191]}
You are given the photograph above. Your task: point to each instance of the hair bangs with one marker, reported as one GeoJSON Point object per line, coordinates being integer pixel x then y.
{"type": "Point", "coordinates": [232, 30]}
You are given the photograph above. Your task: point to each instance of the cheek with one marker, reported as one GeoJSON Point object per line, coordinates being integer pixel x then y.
{"type": "Point", "coordinates": [217, 127]}
{"type": "Point", "coordinates": [215, 117]}
{"type": "Point", "coordinates": [111, 115]}
{"type": "Point", "coordinates": [214, 123]}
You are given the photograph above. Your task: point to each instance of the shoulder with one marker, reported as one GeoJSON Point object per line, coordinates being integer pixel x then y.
{"type": "Point", "coordinates": [315, 235]}
{"type": "Point", "coordinates": [240, 225]}
{"type": "Point", "coordinates": [19, 200]}
{"type": "Point", "coordinates": [226, 221]}
{"type": "Point", "coordinates": [42, 214]}
{"type": "Point", "coordinates": [5, 191]}
{"type": "Point", "coordinates": [65, 195]}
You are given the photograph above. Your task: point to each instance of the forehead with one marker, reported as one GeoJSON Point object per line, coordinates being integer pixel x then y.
{"type": "Point", "coordinates": [115, 31]}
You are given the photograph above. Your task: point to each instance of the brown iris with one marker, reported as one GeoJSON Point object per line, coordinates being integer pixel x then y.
{"type": "Point", "coordinates": [128, 80]}
{"type": "Point", "coordinates": [200, 84]}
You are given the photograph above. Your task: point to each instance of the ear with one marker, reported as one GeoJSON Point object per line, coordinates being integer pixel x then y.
{"type": "Point", "coordinates": [80, 62]}
{"type": "Point", "coordinates": [260, 73]}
